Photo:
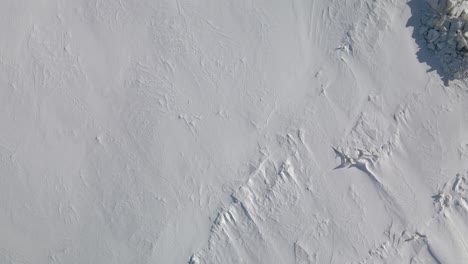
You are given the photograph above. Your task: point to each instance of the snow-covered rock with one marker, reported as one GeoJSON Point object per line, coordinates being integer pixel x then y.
{"type": "Point", "coordinates": [446, 32]}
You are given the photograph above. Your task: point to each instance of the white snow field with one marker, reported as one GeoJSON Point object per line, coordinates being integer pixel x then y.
{"type": "Point", "coordinates": [231, 131]}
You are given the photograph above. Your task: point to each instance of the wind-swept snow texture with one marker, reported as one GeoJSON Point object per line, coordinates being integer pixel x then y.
{"type": "Point", "coordinates": [222, 131]}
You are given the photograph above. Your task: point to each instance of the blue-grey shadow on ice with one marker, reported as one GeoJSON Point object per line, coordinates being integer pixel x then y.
{"type": "Point", "coordinates": [419, 8]}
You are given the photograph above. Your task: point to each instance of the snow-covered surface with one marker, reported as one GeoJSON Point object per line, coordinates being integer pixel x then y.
{"type": "Point", "coordinates": [222, 131]}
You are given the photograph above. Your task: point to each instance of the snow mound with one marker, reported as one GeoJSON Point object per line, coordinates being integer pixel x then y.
{"type": "Point", "coordinates": [445, 30]}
